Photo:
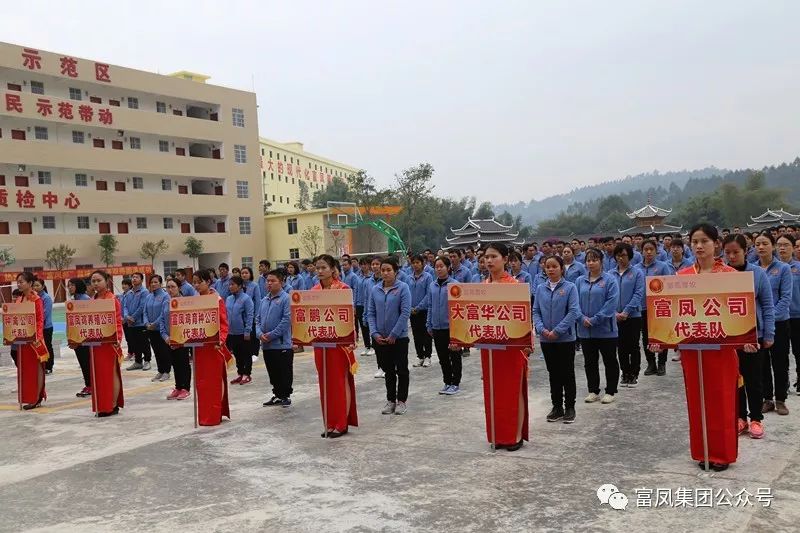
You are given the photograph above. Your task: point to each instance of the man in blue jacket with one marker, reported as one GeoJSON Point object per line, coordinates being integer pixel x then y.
{"type": "Point", "coordinates": [273, 329]}
{"type": "Point", "coordinates": [419, 283]}
{"type": "Point", "coordinates": [133, 315]}
{"type": "Point", "coordinates": [222, 285]}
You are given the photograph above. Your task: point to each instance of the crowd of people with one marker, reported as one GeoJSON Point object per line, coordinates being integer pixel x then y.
{"type": "Point", "coordinates": [586, 296]}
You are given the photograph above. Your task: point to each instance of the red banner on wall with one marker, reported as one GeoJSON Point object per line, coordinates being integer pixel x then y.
{"type": "Point", "coordinates": [50, 275]}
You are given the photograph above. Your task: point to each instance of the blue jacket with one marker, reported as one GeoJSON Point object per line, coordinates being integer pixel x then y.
{"type": "Point", "coordinates": [163, 324]}
{"type": "Point", "coordinates": [662, 255]}
{"type": "Point", "coordinates": [365, 289]}
{"type": "Point", "coordinates": [292, 283]}
{"type": "Point", "coordinates": [556, 310]}
{"type": "Point", "coordinates": [430, 270]}
{"type": "Point", "coordinates": [673, 270]}
{"type": "Point", "coordinates": [462, 274]}
{"type": "Point", "coordinates": [47, 305]}
{"type": "Point", "coordinates": [524, 277]}
{"type": "Point", "coordinates": [252, 289]}
{"type": "Point", "coordinates": [779, 275]}
{"type": "Point", "coordinates": [240, 313]}
{"type": "Point", "coordinates": [637, 257]}
{"type": "Point", "coordinates": [351, 280]}
{"type": "Point", "coordinates": [598, 301]}
{"type": "Point", "coordinates": [438, 314]}
{"type": "Point", "coordinates": [575, 270]}
{"type": "Point", "coordinates": [580, 257]}
{"type": "Point", "coordinates": [477, 277]}
{"type": "Point", "coordinates": [765, 310]}
{"type": "Point", "coordinates": [388, 310]}
{"type": "Point", "coordinates": [308, 282]}
{"type": "Point", "coordinates": [532, 267]}
{"type": "Point", "coordinates": [261, 283]}
{"type": "Point", "coordinates": [609, 263]}
{"type": "Point", "coordinates": [274, 320]}
{"type": "Point", "coordinates": [419, 290]}
{"type": "Point", "coordinates": [223, 288]}
{"type": "Point", "coordinates": [154, 307]}
{"type": "Point", "coordinates": [134, 306]}
{"type": "Point", "coordinates": [656, 268]}
{"type": "Point", "coordinates": [631, 291]}
{"type": "Point", "coordinates": [794, 308]}
{"type": "Point", "coordinates": [187, 289]}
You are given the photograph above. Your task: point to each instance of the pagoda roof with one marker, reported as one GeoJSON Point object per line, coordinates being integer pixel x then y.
{"type": "Point", "coordinates": [467, 241]}
{"type": "Point", "coordinates": [486, 225]}
{"type": "Point", "coordinates": [459, 239]}
{"type": "Point", "coordinates": [774, 215]}
{"type": "Point", "coordinates": [649, 211]}
{"type": "Point", "coordinates": [658, 229]}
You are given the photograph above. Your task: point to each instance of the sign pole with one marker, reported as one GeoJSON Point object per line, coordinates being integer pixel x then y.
{"type": "Point", "coordinates": [325, 396]}
{"type": "Point", "coordinates": [194, 383]}
{"type": "Point", "coordinates": [19, 376]}
{"type": "Point", "coordinates": [491, 398]}
{"type": "Point", "coordinates": [94, 378]}
{"type": "Point", "coordinates": [703, 408]}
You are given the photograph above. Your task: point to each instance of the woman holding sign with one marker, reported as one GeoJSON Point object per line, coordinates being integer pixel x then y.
{"type": "Point", "coordinates": [107, 385]}
{"type": "Point", "coordinates": [510, 371]}
{"type": "Point", "coordinates": [31, 356]}
{"type": "Point", "coordinates": [339, 387]}
{"type": "Point", "coordinates": [210, 363]}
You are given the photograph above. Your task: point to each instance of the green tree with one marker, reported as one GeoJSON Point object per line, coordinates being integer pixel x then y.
{"type": "Point", "coordinates": [304, 199]}
{"type": "Point", "coordinates": [336, 191]}
{"type": "Point", "coordinates": [612, 204]}
{"type": "Point", "coordinates": [413, 194]}
{"type": "Point", "coordinates": [613, 222]}
{"type": "Point", "coordinates": [108, 247]}
{"type": "Point", "coordinates": [311, 240]}
{"type": "Point", "coordinates": [484, 211]}
{"type": "Point", "coordinates": [59, 258]}
{"type": "Point", "coordinates": [150, 250]}
{"type": "Point", "coordinates": [755, 181]}
{"type": "Point", "coordinates": [193, 249]}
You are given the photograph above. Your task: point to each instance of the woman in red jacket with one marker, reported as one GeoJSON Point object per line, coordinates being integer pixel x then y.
{"type": "Point", "coordinates": [32, 356]}
{"type": "Point", "coordinates": [339, 385]}
{"type": "Point", "coordinates": [211, 362]}
{"type": "Point", "coordinates": [107, 396]}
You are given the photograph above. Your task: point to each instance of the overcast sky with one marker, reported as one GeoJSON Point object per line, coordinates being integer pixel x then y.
{"type": "Point", "coordinates": [507, 100]}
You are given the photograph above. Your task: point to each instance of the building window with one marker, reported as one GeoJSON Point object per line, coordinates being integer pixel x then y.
{"type": "Point", "coordinates": [81, 181]}
{"type": "Point", "coordinates": [40, 133]}
{"type": "Point", "coordinates": [48, 222]}
{"type": "Point", "coordinates": [163, 146]}
{"type": "Point", "coordinates": [244, 225]}
{"type": "Point", "coordinates": [136, 143]}
{"type": "Point", "coordinates": [77, 137]}
{"type": "Point", "coordinates": [292, 223]}
{"type": "Point", "coordinates": [170, 267]}
{"type": "Point", "coordinates": [141, 222]}
{"type": "Point", "coordinates": [75, 94]}
{"type": "Point", "coordinates": [166, 184]}
{"type": "Point", "coordinates": [294, 253]}
{"type": "Point", "coordinates": [247, 262]}
{"type": "Point", "coordinates": [242, 190]}
{"type": "Point", "coordinates": [138, 182]}
{"type": "Point", "coordinates": [238, 117]}
{"type": "Point", "coordinates": [280, 199]}
{"type": "Point", "coordinates": [45, 178]}
{"type": "Point", "coordinates": [133, 103]}
{"type": "Point", "coordinates": [161, 107]}
{"type": "Point", "coordinates": [83, 222]}
{"type": "Point", "coordinates": [240, 153]}
{"type": "Point", "coordinates": [37, 87]}
{"type": "Point", "coordinates": [167, 222]}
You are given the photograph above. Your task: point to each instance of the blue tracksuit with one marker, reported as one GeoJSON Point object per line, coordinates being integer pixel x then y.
{"type": "Point", "coordinates": [598, 301]}
{"type": "Point", "coordinates": [477, 277]}
{"type": "Point", "coordinates": [163, 324]}
{"type": "Point", "coordinates": [292, 283]}
{"type": "Point", "coordinates": [254, 292]}
{"type": "Point", "coordinates": [662, 255]}
{"type": "Point", "coordinates": [631, 291]}
{"type": "Point", "coordinates": [366, 286]}
{"type": "Point", "coordinates": [240, 313]}
{"type": "Point", "coordinates": [673, 270]}
{"type": "Point", "coordinates": [187, 289]}
{"type": "Point", "coordinates": [47, 305]}
{"type": "Point", "coordinates": [419, 290]}
{"type": "Point", "coordinates": [261, 283]}
{"type": "Point", "coordinates": [273, 319]}
{"type": "Point", "coordinates": [574, 271]}
{"type": "Point", "coordinates": [222, 286]}
{"type": "Point", "coordinates": [389, 310]}
{"type": "Point", "coordinates": [524, 277]}
{"type": "Point", "coordinates": [461, 274]}
{"type": "Point", "coordinates": [351, 280]}
{"type": "Point", "coordinates": [438, 314]}
{"type": "Point", "coordinates": [154, 307]}
{"type": "Point", "coordinates": [637, 257]}
{"type": "Point", "coordinates": [794, 308]}
{"type": "Point", "coordinates": [609, 263]}
{"type": "Point", "coordinates": [580, 257]}
{"type": "Point", "coordinates": [430, 270]}
{"type": "Point", "coordinates": [134, 306]}
{"type": "Point", "coordinates": [656, 268]}
{"type": "Point", "coordinates": [402, 276]}
{"type": "Point", "coordinates": [765, 309]}
{"type": "Point", "coordinates": [779, 275]}
{"type": "Point", "coordinates": [556, 310]}
{"type": "Point", "coordinates": [532, 267]}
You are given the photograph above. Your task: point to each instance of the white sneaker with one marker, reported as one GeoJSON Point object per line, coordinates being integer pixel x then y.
{"type": "Point", "coordinates": [255, 358]}
{"type": "Point", "coordinates": [388, 408]}
{"type": "Point", "coordinates": [400, 408]}
{"type": "Point", "coordinates": [591, 398]}
{"type": "Point", "coordinates": [164, 376]}
{"type": "Point", "coordinates": [607, 398]}
{"type": "Point", "coordinates": [380, 374]}
{"type": "Point", "coordinates": [427, 362]}
{"type": "Point", "coordinates": [371, 351]}
{"type": "Point", "coordinates": [364, 352]}
{"type": "Point", "coordinates": [419, 363]}
{"type": "Point", "coordinates": [157, 377]}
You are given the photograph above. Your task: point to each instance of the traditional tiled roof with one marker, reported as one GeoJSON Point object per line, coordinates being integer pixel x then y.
{"type": "Point", "coordinates": [649, 211]}
{"type": "Point", "coordinates": [473, 226]}
{"type": "Point", "coordinates": [463, 242]}
{"type": "Point", "coordinates": [659, 229]}
{"type": "Point", "coordinates": [774, 215]}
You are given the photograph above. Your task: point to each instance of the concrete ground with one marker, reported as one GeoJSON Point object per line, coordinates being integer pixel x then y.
{"type": "Point", "coordinates": [267, 469]}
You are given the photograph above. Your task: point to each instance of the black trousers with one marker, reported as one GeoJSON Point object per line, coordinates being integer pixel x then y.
{"type": "Point", "coordinates": [794, 335]}
{"type": "Point", "coordinates": [362, 324]}
{"type": "Point", "coordinates": [241, 351]}
{"type": "Point", "coordinates": [662, 355]}
{"type": "Point", "coordinates": [751, 394]}
{"type": "Point", "coordinates": [423, 343]}
{"type": "Point", "coordinates": [393, 360]}
{"type": "Point", "coordinates": [84, 360]}
{"type": "Point", "coordinates": [592, 349]}
{"type": "Point", "coordinates": [280, 368]}
{"type": "Point", "coordinates": [449, 360]}
{"type": "Point", "coordinates": [162, 351]}
{"type": "Point", "coordinates": [630, 358]}
{"type": "Point", "coordinates": [181, 368]}
{"type": "Point", "coordinates": [139, 343]}
{"type": "Point", "coordinates": [127, 333]}
{"type": "Point", "coordinates": [255, 344]}
{"type": "Point", "coordinates": [559, 357]}
{"type": "Point", "coordinates": [776, 360]}
{"type": "Point", "coordinates": [48, 341]}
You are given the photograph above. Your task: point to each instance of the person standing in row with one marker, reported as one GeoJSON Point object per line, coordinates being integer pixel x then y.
{"type": "Point", "coordinates": [178, 356]}
{"type": "Point", "coordinates": [598, 294]}
{"type": "Point", "coordinates": [222, 284]}
{"type": "Point", "coordinates": [47, 305]}
{"type": "Point", "coordinates": [293, 280]}
{"type": "Point", "coordinates": [388, 311]}
{"type": "Point", "coordinates": [31, 356]}
{"type": "Point", "coordinates": [419, 283]}
{"type": "Point", "coordinates": [107, 394]}
{"type": "Point", "coordinates": [261, 282]}
{"type": "Point", "coordinates": [367, 285]}
{"type": "Point", "coordinates": [337, 386]}
{"type": "Point", "coordinates": [153, 316]}
{"type": "Point", "coordinates": [273, 330]}
{"type": "Point", "coordinates": [76, 288]}
{"type": "Point", "coordinates": [573, 269]}
{"type": "Point", "coordinates": [629, 314]}
{"type": "Point", "coordinates": [555, 311]}
{"type": "Point", "coordinates": [362, 296]}
{"type": "Point", "coordinates": [786, 245]}
{"type": "Point", "coordinates": [123, 297]}
{"type": "Point", "coordinates": [515, 262]}
{"type": "Point", "coordinates": [133, 314]}
{"type": "Point", "coordinates": [437, 324]}
{"type": "Point", "coordinates": [776, 359]}
{"type": "Point", "coordinates": [677, 260]}
{"type": "Point", "coordinates": [750, 362]}
{"type": "Point", "coordinates": [252, 289]}
{"type": "Point", "coordinates": [183, 284]}
{"type": "Point", "coordinates": [240, 311]}
{"type": "Point", "coordinates": [650, 266]}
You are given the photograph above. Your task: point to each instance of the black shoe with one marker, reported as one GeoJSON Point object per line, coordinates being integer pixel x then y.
{"type": "Point", "coordinates": [514, 447]}
{"type": "Point", "coordinates": [272, 401]}
{"type": "Point", "coordinates": [29, 406]}
{"type": "Point", "coordinates": [633, 382]}
{"type": "Point", "coordinates": [113, 412]}
{"type": "Point", "coordinates": [651, 369]}
{"type": "Point", "coordinates": [555, 415]}
{"type": "Point", "coordinates": [569, 415]}
{"type": "Point", "coordinates": [716, 467]}
{"type": "Point", "coordinates": [336, 434]}
{"type": "Point", "coordinates": [623, 382]}
{"type": "Point", "coordinates": [662, 369]}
